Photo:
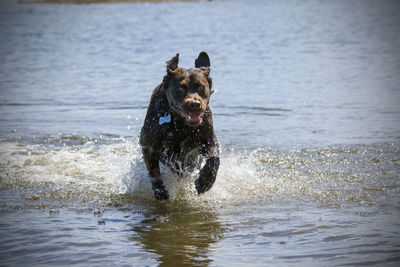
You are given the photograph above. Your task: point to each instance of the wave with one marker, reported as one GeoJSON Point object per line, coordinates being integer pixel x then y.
{"type": "Point", "coordinates": [111, 172]}
{"type": "Point", "coordinates": [223, 110]}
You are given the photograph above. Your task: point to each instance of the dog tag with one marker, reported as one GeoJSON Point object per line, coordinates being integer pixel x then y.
{"type": "Point", "coordinates": [165, 119]}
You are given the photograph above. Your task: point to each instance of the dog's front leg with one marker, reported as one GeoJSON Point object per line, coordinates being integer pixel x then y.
{"type": "Point", "coordinates": [208, 174]}
{"type": "Point", "coordinates": [151, 159]}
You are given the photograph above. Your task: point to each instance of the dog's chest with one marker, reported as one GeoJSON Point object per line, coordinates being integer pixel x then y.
{"type": "Point", "coordinates": [179, 140]}
{"type": "Point", "coordinates": [180, 150]}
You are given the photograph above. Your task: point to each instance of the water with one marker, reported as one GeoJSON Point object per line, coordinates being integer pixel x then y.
{"type": "Point", "coordinates": [306, 110]}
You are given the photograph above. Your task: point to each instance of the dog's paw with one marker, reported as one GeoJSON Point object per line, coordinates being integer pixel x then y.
{"type": "Point", "coordinates": [161, 194]}
{"type": "Point", "coordinates": [203, 185]}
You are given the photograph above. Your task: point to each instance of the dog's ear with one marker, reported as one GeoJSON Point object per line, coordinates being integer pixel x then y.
{"type": "Point", "coordinates": [210, 84]}
{"type": "Point", "coordinates": [206, 72]}
{"type": "Point", "coordinates": [172, 64]}
{"type": "Point", "coordinates": [202, 60]}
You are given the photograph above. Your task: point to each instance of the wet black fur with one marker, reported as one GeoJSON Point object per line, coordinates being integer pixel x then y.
{"type": "Point", "coordinates": [176, 144]}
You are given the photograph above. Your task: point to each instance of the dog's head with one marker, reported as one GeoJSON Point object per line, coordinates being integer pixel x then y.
{"type": "Point", "coordinates": [188, 90]}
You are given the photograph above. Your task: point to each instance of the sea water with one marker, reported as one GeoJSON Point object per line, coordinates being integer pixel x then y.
{"type": "Point", "coordinates": [306, 111]}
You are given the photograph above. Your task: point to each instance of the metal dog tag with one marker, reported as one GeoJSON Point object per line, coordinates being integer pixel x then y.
{"type": "Point", "coordinates": [165, 119]}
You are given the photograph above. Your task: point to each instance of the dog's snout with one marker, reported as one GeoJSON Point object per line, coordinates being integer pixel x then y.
{"type": "Point", "coordinates": [194, 105]}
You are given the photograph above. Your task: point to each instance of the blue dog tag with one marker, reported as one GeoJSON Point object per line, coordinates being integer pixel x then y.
{"type": "Point", "coordinates": [164, 119]}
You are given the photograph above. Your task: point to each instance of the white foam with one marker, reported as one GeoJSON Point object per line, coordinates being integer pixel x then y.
{"type": "Point", "coordinates": [116, 168]}
{"type": "Point", "coordinates": [119, 168]}
{"type": "Point", "coordinates": [86, 164]}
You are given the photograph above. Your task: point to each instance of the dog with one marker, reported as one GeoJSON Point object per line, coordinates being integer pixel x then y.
{"type": "Point", "coordinates": [178, 128]}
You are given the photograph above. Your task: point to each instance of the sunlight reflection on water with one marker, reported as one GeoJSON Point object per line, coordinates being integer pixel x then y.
{"type": "Point", "coordinates": [306, 111]}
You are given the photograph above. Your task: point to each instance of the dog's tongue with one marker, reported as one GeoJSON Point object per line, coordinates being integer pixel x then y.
{"type": "Point", "coordinates": [194, 117]}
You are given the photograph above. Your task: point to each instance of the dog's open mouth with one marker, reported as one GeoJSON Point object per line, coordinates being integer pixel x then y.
{"type": "Point", "coordinates": [192, 119]}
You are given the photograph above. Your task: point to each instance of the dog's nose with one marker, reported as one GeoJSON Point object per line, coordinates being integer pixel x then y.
{"type": "Point", "coordinates": [194, 105]}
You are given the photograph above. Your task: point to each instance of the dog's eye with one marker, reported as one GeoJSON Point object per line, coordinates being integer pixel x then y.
{"type": "Point", "coordinates": [202, 91]}
{"type": "Point", "coordinates": [181, 90]}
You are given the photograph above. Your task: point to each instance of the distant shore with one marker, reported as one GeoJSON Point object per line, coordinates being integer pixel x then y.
{"type": "Point", "coordinates": [106, 1]}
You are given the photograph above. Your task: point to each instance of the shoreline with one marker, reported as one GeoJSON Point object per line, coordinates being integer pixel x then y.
{"type": "Point", "coordinates": [106, 1]}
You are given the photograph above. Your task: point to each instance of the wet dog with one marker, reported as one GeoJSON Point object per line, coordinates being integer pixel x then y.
{"type": "Point", "coordinates": [178, 128]}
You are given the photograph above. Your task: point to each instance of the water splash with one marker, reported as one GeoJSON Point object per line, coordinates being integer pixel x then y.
{"type": "Point", "coordinates": [88, 171]}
